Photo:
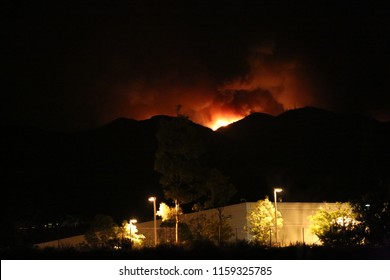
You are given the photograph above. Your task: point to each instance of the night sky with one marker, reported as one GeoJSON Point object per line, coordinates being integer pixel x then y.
{"type": "Point", "coordinates": [70, 67]}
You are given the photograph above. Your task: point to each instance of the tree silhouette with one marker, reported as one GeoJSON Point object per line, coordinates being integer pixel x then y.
{"type": "Point", "coordinates": [373, 210]}
{"type": "Point", "coordinates": [103, 232]}
{"type": "Point", "coordinates": [177, 160]}
{"type": "Point", "coordinates": [216, 191]}
{"type": "Point", "coordinates": [213, 228]}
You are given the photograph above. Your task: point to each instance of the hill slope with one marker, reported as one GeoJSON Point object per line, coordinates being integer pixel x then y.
{"type": "Point", "coordinates": [314, 154]}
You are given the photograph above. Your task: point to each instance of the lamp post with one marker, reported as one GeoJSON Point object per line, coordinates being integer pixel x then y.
{"type": "Point", "coordinates": [153, 199]}
{"type": "Point", "coordinates": [276, 190]}
{"type": "Point", "coordinates": [131, 223]}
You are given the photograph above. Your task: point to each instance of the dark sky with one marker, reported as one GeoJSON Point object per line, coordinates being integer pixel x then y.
{"type": "Point", "coordinates": [71, 67]}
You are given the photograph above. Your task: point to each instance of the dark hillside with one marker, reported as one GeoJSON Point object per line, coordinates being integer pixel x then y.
{"type": "Point", "coordinates": [316, 155]}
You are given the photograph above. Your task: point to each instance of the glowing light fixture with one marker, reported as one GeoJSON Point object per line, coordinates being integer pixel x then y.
{"type": "Point", "coordinates": [131, 224]}
{"type": "Point", "coordinates": [153, 199]}
{"type": "Point", "coordinates": [276, 190]}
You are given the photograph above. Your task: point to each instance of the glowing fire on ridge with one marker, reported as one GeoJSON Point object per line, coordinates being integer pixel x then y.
{"type": "Point", "coordinates": [222, 121]}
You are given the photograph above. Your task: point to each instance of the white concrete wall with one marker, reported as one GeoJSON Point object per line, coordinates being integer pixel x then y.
{"type": "Point", "coordinates": [296, 225]}
{"type": "Point", "coordinates": [238, 221]}
{"type": "Point", "coordinates": [73, 241]}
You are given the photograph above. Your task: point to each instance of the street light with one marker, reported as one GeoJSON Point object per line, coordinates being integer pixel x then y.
{"type": "Point", "coordinates": [276, 190]}
{"type": "Point", "coordinates": [153, 198]}
{"type": "Point", "coordinates": [131, 223]}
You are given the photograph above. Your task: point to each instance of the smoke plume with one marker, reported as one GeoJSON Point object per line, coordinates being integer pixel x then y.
{"type": "Point", "coordinates": [271, 85]}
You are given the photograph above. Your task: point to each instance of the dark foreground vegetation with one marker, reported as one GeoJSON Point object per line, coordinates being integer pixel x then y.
{"type": "Point", "coordinates": [207, 250]}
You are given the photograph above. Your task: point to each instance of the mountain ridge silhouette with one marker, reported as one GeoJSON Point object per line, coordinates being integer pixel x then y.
{"type": "Point", "coordinates": [316, 155]}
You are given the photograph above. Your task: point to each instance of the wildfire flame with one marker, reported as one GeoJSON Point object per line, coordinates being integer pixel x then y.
{"type": "Point", "coordinates": [223, 121]}
{"type": "Point", "coordinates": [270, 85]}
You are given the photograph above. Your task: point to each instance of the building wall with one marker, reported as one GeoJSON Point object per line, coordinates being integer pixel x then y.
{"type": "Point", "coordinates": [73, 241]}
{"type": "Point", "coordinates": [236, 218]}
{"type": "Point", "coordinates": [296, 225]}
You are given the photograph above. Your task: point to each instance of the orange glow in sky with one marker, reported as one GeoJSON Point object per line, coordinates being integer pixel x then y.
{"type": "Point", "coordinates": [222, 121]}
{"type": "Point", "coordinates": [270, 86]}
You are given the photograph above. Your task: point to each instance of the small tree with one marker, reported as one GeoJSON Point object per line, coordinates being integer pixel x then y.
{"type": "Point", "coordinates": [129, 234]}
{"type": "Point", "coordinates": [337, 227]}
{"type": "Point", "coordinates": [103, 232]}
{"type": "Point", "coordinates": [168, 215]}
{"type": "Point", "coordinates": [168, 227]}
{"type": "Point", "coordinates": [215, 192]}
{"type": "Point", "coordinates": [373, 210]}
{"type": "Point", "coordinates": [215, 228]}
{"type": "Point", "coordinates": [261, 222]}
